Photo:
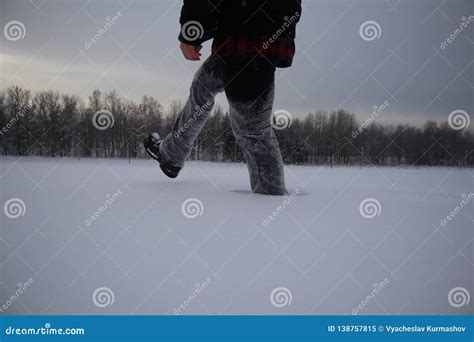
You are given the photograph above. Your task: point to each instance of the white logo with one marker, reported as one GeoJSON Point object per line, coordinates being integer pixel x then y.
{"type": "Point", "coordinates": [458, 296]}
{"type": "Point", "coordinates": [192, 208]}
{"type": "Point", "coordinates": [102, 297]}
{"type": "Point", "coordinates": [281, 297]}
{"type": "Point", "coordinates": [103, 119]}
{"type": "Point", "coordinates": [281, 119]}
{"type": "Point", "coordinates": [458, 119]}
{"type": "Point", "coordinates": [14, 30]}
{"type": "Point", "coordinates": [14, 208]}
{"type": "Point", "coordinates": [192, 30]}
{"type": "Point", "coordinates": [370, 30]}
{"type": "Point", "coordinates": [369, 208]}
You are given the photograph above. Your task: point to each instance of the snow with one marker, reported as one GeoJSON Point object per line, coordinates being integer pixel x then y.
{"type": "Point", "coordinates": [319, 253]}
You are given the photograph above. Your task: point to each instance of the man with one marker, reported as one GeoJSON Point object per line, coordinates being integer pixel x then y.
{"type": "Point", "coordinates": [251, 39]}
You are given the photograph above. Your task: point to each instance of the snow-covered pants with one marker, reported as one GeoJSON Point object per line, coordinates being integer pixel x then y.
{"type": "Point", "coordinates": [249, 86]}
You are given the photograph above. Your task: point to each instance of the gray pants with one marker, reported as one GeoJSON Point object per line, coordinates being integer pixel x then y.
{"type": "Point", "coordinates": [249, 86]}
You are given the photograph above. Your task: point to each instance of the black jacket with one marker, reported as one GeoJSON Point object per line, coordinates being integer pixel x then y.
{"type": "Point", "coordinates": [206, 19]}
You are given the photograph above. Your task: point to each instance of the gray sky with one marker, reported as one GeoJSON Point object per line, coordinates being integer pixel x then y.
{"type": "Point", "coordinates": [334, 67]}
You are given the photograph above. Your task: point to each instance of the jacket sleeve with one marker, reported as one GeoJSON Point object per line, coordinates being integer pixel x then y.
{"type": "Point", "coordinates": [296, 14]}
{"type": "Point", "coordinates": [296, 10]}
{"type": "Point", "coordinates": [198, 21]}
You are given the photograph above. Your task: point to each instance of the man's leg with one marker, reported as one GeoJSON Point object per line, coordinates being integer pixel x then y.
{"type": "Point", "coordinates": [207, 83]}
{"type": "Point", "coordinates": [250, 92]}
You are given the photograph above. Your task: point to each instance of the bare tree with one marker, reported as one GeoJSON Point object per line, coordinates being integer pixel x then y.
{"type": "Point", "coordinates": [54, 124]}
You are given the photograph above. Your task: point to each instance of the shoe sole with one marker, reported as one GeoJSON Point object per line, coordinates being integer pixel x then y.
{"type": "Point", "coordinates": [154, 156]}
{"type": "Point", "coordinates": [151, 154]}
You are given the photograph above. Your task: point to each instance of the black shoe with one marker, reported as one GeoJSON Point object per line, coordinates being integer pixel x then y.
{"type": "Point", "coordinates": [152, 146]}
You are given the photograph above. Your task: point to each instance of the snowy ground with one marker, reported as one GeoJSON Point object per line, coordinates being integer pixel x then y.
{"type": "Point", "coordinates": [318, 255]}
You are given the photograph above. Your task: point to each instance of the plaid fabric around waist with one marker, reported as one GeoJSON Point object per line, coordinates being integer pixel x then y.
{"type": "Point", "coordinates": [279, 51]}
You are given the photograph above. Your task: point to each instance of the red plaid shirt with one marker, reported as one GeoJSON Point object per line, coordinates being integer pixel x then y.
{"type": "Point", "coordinates": [279, 52]}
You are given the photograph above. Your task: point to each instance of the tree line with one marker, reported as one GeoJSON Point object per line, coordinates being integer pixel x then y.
{"type": "Point", "coordinates": [52, 124]}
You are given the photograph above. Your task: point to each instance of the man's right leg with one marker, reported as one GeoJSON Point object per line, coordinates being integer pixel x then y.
{"type": "Point", "coordinates": [250, 91]}
{"type": "Point", "coordinates": [207, 83]}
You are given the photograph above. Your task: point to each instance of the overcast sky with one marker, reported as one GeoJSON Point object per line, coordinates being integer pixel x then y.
{"type": "Point", "coordinates": [334, 67]}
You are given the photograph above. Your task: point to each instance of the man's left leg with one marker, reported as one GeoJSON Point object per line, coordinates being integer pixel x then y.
{"type": "Point", "coordinates": [172, 151]}
{"type": "Point", "coordinates": [207, 83]}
